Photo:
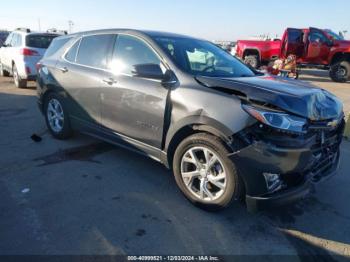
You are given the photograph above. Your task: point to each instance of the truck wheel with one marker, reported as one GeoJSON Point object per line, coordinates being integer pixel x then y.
{"type": "Point", "coordinates": [252, 60]}
{"type": "Point", "coordinates": [56, 117]}
{"type": "Point", "coordinates": [204, 173]}
{"type": "Point", "coordinates": [20, 83]}
{"type": "Point", "coordinates": [340, 72]}
{"type": "Point", "coordinates": [3, 72]}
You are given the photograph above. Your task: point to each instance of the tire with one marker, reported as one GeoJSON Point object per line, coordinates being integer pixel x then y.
{"type": "Point", "coordinates": [3, 72]}
{"type": "Point", "coordinates": [19, 83]}
{"type": "Point", "coordinates": [62, 128]}
{"type": "Point", "coordinates": [233, 188]}
{"type": "Point", "coordinates": [340, 72]}
{"type": "Point", "coordinates": [252, 60]}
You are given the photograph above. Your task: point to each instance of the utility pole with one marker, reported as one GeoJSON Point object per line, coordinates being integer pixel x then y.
{"type": "Point", "coordinates": [70, 26]}
{"type": "Point", "coordinates": [39, 24]}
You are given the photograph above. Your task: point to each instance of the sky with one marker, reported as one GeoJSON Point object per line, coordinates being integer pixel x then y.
{"type": "Point", "coordinates": [209, 19]}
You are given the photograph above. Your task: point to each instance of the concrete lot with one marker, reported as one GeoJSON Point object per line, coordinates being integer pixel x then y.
{"type": "Point", "coordinates": [83, 196]}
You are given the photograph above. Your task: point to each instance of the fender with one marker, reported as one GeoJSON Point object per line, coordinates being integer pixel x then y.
{"type": "Point", "coordinates": [198, 122]}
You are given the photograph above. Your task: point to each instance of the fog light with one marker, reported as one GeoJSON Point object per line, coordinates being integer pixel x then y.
{"type": "Point", "coordinates": [273, 182]}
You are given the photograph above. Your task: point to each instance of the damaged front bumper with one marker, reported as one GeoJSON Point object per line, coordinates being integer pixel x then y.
{"type": "Point", "coordinates": [297, 165]}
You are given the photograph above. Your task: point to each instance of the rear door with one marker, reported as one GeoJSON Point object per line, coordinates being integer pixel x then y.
{"type": "Point", "coordinates": [81, 73]}
{"type": "Point", "coordinates": [318, 47]}
{"type": "Point", "coordinates": [292, 43]}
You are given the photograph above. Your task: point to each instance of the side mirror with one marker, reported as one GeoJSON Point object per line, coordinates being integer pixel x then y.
{"type": "Point", "coordinates": [152, 71]}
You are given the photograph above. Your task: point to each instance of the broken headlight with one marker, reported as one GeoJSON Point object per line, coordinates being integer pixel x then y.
{"type": "Point", "coordinates": [276, 119]}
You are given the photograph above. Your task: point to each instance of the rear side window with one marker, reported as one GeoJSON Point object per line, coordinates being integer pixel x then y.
{"type": "Point", "coordinates": [72, 53]}
{"type": "Point", "coordinates": [56, 45]}
{"type": "Point", "coordinates": [94, 50]}
{"type": "Point", "coordinates": [16, 40]}
{"type": "Point", "coordinates": [39, 41]}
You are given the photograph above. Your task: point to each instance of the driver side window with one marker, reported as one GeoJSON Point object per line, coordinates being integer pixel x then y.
{"type": "Point", "coordinates": [130, 51]}
{"type": "Point", "coordinates": [317, 37]}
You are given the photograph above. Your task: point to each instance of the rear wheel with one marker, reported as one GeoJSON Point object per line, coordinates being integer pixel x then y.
{"type": "Point", "coordinates": [56, 117]}
{"type": "Point", "coordinates": [20, 83]}
{"type": "Point", "coordinates": [252, 60]}
{"type": "Point", "coordinates": [204, 173]}
{"type": "Point", "coordinates": [340, 72]}
{"type": "Point", "coordinates": [3, 72]}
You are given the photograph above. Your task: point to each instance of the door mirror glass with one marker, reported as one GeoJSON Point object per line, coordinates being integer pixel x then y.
{"type": "Point", "coordinates": [152, 71]}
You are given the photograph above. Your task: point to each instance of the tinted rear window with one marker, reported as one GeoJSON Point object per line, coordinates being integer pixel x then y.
{"type": "Point", "coordinates": [56, 45]}
{"type": "Point", "coordinates": [39, 41]}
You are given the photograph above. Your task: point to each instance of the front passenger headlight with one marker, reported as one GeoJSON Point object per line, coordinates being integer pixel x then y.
{"type": "Point", "coordinates": [277, 119]}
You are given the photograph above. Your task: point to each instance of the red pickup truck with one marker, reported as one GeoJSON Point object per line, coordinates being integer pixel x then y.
{"type": "Point", "coordinates": [312, 46]}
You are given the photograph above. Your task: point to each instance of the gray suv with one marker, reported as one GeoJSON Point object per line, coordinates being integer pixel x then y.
{"type": "Point", "coordinates": [227, 131]}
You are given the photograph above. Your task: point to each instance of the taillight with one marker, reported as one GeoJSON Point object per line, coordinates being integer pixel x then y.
{"type": "Point", "coordinates": [28, 52]}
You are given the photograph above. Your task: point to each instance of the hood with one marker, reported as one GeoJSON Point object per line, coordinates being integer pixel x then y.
{"type": "Point", "coordinates": [342, 43]}
{"type": "Point", "coordinates": [297, 97]}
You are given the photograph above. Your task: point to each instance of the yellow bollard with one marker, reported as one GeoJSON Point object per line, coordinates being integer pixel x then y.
{"type": "Point", "coordinates": [347, 128]}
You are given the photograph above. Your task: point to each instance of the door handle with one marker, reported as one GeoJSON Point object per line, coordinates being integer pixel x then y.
{"type": "Point", "coordinates": [63, 69]}
{"type": "Point", "coordinates": [109, 81]}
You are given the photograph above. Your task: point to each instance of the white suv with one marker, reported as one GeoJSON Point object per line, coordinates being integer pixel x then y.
{"type": "Point", "coordinates": [21, 52]}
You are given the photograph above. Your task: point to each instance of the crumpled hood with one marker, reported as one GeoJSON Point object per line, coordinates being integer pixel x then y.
{"type": "Point", "coordinates": [297, 97]}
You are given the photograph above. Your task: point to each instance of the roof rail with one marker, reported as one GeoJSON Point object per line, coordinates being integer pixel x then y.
{"type": "Point", "coordinates": [54, 30]}
{"type": "Point", "coordinates": [27, 30]}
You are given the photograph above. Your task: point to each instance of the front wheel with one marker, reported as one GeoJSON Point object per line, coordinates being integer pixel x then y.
{"type": "Point", "coordinates": [205, 174]}
{"type": "Point", "coordinates": [340, 72]}
{"type": "Point", "coordinates": [56, 116]}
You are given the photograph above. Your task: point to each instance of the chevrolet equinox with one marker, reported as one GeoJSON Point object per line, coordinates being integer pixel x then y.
{"type": "Point", "coordinates": [228, 132]}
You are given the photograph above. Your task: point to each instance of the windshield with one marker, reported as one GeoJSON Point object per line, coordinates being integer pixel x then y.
{"type": "Point", "coordinates": [334, 35]}
{"type": "Point", "coordinates": [202, 58]}
{"type": "Point", "coordinates": [39, 41]}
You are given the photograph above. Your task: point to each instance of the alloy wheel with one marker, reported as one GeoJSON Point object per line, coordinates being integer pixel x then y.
{"type": "Point", "coordinates": [55, 115]}
{"type": "Point", "coordinates": [203, 173]}
{"type": "Point", "coordinates": [15, 76]}
{"type": "Point", "coordinates": [341, 72]}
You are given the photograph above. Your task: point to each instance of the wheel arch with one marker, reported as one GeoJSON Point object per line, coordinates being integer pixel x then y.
{"type": "Point", "coordinates": [340, 56]}
{"type": "Point", "coordinates": [251, 51]}
{"type": "Point", "coordinates": [192, 125]}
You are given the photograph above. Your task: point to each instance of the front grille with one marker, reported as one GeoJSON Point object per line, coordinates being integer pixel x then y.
{"type": "Point", "coordinates": [326, 151]}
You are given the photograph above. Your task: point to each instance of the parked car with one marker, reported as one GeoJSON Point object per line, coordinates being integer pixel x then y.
{"type": "Point", "coordinates": [312, 46]}
{"type": "Point", "coordinates": [226, 131]}
{"type": "Point", "coordinates": [21, 52]}
{"type": "Point", "coordinates": [3, 36]}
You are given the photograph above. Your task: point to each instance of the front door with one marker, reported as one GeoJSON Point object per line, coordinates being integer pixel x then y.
{"type": "Point", "coordinates": [133, 106]}
{"type": "Point", "coordinates": [292, 43]}
{"type": "Point", "coordinates": [318, 47]}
